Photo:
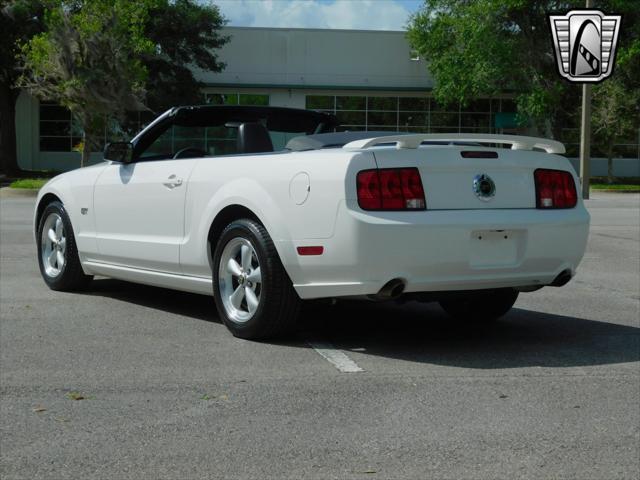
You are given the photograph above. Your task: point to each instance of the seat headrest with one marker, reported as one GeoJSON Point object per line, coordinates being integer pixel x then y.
{"type": "Point", "coordinates": [254, 138]}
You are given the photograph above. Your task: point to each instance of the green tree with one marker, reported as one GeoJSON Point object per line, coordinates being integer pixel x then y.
{"type": "Point", "coordinates": [486, 47]}
{"type": "Point", "coordinates": [616, 101]}
{"type": "Point", "coordinates": [614, 117]}
{"type": "Point", "coordinates": [97, 58]}
{"type": "Point", "coordinates": [186, 34]}
{"type": "Point", "coordinates": [88, 60]}
{"type": "Point", "coordinates": [19, 21]}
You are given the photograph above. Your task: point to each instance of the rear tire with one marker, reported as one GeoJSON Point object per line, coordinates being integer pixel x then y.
{"type": "Point", "coordinates": [254, 295]}
{"type": "Point", "coordinates": [57, 251]}
{"type": "Point", "coordinates": [482, 306]}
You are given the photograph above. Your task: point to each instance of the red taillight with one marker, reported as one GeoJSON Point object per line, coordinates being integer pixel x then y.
{"type": "Point", "coordinates": [390, 189]}
{"type": "Point", "coordinates": [368, 183]}
{"type": "Point", "coordinates": [555, 189]}
{"type": "Point", "coordinates": [412, 189]}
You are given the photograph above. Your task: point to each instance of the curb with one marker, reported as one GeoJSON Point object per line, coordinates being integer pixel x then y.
{"type": "Point", "coordinates": [8, 192]}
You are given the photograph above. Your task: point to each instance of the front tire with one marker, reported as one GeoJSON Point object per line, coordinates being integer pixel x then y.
{"type": "Point", "coordinates": [254, 295]}
{"type": "Point", "coordinates": [57, 251]}
{"type": "Point", "coordinates": [481, 306]}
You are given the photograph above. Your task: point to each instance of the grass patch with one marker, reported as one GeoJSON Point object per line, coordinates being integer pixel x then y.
{"type": "Point", "coordinates": [614, 186]}
{"type": "Point", "coordinates": [621, 184]}
{"type": "Point", "coordinates": [29, 183]}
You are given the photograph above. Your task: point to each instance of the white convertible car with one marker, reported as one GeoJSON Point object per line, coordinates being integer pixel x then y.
{"type": "Point", "coordinates": [266, 207]}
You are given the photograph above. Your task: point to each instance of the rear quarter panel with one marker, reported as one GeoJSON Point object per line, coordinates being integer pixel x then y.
{"type": "Point", "coordinates": [263, 184]}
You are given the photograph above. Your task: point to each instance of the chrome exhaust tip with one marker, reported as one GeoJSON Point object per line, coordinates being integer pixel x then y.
{"type": "Point", "coordinates": [390, 290]}
{"type": "Point", "coordinates": [562, 278]}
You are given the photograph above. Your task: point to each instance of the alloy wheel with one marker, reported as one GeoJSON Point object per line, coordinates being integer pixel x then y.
{"type": "Point", "coordinates": [53, 245]}
{"type": "Point", "coordinates": [240, 280]}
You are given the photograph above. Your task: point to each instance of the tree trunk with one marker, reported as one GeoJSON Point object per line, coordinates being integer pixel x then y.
{"type": "Point", "coordinates": [8, 154]}
{"type": "Point", "coordinates": [86, 150]}
{"type": "Point", "coordinates": [610, 178]}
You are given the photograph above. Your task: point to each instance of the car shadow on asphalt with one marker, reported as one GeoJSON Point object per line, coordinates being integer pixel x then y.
{"type": "Point", "coordinates": [523, 338]}
{"type": "Point", "coordinates": [423, 333]}
{"type": "Point", "coordinates": [191, 305]}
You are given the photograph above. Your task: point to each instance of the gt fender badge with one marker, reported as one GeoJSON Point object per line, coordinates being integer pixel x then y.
{"type": "Point", "coordinates": [585, 44]}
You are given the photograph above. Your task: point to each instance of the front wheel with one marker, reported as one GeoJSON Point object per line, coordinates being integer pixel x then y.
{"type": "Point", "coordinates": [480, 306]}
{"type": "Point", "coordinates": [254, 295]}
{"type": "Point", "coordinates": [57, 251]}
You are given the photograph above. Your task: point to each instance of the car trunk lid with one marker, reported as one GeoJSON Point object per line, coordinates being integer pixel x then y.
{"type": "Point", "coordinates": [452, 181]}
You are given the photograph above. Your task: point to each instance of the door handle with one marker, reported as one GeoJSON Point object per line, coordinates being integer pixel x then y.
{"type": "Point", "coordinates": [172, 182]}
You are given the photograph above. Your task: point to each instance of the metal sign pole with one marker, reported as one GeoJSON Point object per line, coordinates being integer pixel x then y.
{"type": "Point", "coordinates": [585, 140]}
{"type": "Point", "coordinates": [585, 134]}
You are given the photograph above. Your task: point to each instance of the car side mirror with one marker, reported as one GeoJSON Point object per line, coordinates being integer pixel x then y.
{"type": "Point", "coordinates": [119, 152]}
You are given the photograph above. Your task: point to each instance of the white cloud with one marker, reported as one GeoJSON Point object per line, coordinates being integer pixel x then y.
{"type": "Point", "coordinates": [347, 14]}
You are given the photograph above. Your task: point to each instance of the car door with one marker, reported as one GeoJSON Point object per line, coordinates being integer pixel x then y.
{"type": "Point", "coordinates": [139, 207]}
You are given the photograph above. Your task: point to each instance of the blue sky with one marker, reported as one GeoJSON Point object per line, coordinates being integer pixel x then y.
{"type": "Point", "coordinates": [348, 14]}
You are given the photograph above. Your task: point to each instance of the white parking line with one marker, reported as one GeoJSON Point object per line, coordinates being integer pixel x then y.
{"type": "Point", "coordinates": [336, 357]}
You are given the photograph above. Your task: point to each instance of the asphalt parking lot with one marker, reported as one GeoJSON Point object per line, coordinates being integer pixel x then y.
{"type": "Point", "coordinates": [164, 391]}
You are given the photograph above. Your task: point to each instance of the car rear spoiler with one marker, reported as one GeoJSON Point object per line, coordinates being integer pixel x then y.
{"type": "Point", "coordinates": [517, 142]}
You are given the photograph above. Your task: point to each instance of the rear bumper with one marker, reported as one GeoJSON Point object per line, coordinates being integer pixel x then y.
{"type": "Point", "coordinates": [440, 250]}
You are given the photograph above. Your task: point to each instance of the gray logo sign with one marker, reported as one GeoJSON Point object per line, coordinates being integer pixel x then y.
{"type": "Point", "coordinates": [483, 187]}
{"type": "Point", "coordinates": [585, 44]}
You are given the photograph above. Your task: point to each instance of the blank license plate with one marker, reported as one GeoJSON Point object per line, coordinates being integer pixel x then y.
{"type": "Point", "coordinates": [495, 248]}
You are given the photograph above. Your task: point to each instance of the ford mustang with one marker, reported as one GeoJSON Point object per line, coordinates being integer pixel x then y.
{"type": "Point", "coordinates": [267, 207]}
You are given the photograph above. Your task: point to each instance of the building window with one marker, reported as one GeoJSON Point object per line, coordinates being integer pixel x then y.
{"type": "Point", "coordinates": [414, 56]}
{"type": "Point", "coordinates": [410, 114]}
{"type": "Point", "coordinates": [426, 115]}
{"type": "Point", "coordinates": [414, 114]}
{"type": "Point", "coordinates": [351, 112]}
{"type": "Point", "coordinates": [58, 131]}
{"type": "Point", "coordinates": [321, 102]}
{"type": "Point", "coordinates": [133, 123]}
{"type": "Point", "coordinates": [236, 99]}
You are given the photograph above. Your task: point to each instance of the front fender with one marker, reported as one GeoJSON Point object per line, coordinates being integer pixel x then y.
{"type": "Point", "coordinates": [75, 191]}
{"type": "Point", "coordinates": [57, 186]}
